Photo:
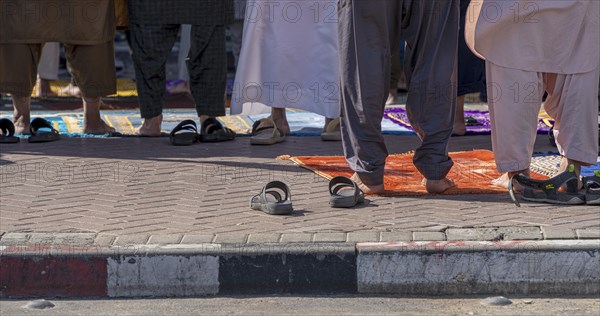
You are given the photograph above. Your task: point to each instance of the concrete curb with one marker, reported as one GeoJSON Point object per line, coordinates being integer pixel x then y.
{"type": "Point", "coordinates": [568, 267]}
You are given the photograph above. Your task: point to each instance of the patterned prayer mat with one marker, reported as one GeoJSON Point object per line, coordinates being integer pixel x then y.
{"type": "Point", "coordinates": [478, 122]}
{"type": "Point", "coordinates": [473, 172]}
{"type": "Point", "coordinates": [70, 123]}
{"type": "Point", "coordinates": [548, 165]}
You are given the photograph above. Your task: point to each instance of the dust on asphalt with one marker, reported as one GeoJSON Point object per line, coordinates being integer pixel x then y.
{"type": "Point", "coordinates": [311, 305]}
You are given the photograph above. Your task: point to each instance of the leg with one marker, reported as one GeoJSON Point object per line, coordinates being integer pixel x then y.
{"type": "Point", "coordinates": [573, 103]}
{"type": "Point", "coordinates": [184, 50]}
{"type": "Point", "coordinates": [151, 45]}
{"type": "Point", "coordinates": [432, 41]}
{"type": "Point", "coordinates": [182, 85]}
{"type": "Point", "coordinates": [93, 68]}
{"type": "Point", "coordinates": [514, 99]}
{"type": "Point", "coordinates": [460, 127]}
{"type": "Point", "coordinates": [470, 73]}
{"type": "Point", "coordinates": [207, 66]}
{"type": "Point", "coordinates": [19, 70]}
{"type": "Point", "coordinates": [394, 78]}
{"type": "Point", "coordinates": [237, 30]}
{"type": "Point", "coordinates": [365, 66]}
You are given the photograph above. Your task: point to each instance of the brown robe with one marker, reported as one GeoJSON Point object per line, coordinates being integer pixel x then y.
{"type": "Point", "coordinates": [78, 22]}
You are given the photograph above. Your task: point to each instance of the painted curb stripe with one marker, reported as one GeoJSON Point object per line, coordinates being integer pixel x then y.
{"type": "Point", "coordinates": [140, 276]}
{"type": "Point", "coordinates": [288, 273]}
{"type": "Point", "coordinates": [482, 272]}
{"type": "Point", "coordinates": [426, 268]}
{"type": "Point", "coordinates": [55, 276]}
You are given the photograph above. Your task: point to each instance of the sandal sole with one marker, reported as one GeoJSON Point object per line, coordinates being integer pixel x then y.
{"type": "Point", "coordinates": [285, 209]}
{"type": "Point", "coordinates": [573, 201]}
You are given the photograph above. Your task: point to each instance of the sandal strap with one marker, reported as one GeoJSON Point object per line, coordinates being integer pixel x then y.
{"type": "Point", "coordinates": [211, 123]}
{"type": "Point", "coordinates": [188, 125]}
{"type": "Point", "coordinates": [592, 182]}
{"type": "Point", "coordinates": [276, 185]}
{"type": "Point", "coordinates": [255, 126]}
{"type": "Point", "coordinates": [39, 123]}
{"type": "Point", "coordinates": [7, 127]}
{"type": "Point", "coordinates": [549, 187]}
{"type": "Point", "coordinates": [333, 125]}
{"type": "Point", "coordinates": [340, 182]}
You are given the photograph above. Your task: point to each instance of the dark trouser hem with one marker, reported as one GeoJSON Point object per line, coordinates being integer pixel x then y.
{"type": "Point", "coordinates": [434, 171]}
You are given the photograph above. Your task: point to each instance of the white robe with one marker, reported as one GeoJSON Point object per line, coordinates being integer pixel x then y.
{"type": "Point", "coordinates": [289, 58]}
{"type": "Point", "coordinates": [552, 36]}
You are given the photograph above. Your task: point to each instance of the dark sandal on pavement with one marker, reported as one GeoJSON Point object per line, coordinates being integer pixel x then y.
{"type": "Point", "coordinates": [592, 189]}
{"type": "Point", "coordinates": [344, 193]}
{"type": "Point", "coordinates": [42, 131]}
{"type": "Point", "coordinates": [212, 131]}
{"type": "Point", "coordinates": [184, 134]}
{"type": "Point", "coordinates": [275, 199]}
{"type": "Point", "coordinates": [548, 191]}
{"type": "Point", "coordinates": [8, 132]}
{"type": "Point", "coordinates": [266, 135]}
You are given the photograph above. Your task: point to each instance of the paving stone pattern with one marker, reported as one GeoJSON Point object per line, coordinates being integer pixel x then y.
{"type": "Point", "coordinates": [133, 190]}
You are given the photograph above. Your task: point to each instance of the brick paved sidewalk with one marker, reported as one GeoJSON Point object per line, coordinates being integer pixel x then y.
{"type": "Point", "coordinates": [145, 191]}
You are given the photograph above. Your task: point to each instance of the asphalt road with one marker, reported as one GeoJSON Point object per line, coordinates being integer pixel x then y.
{"type": "Point", "coordinates": [324, 305]}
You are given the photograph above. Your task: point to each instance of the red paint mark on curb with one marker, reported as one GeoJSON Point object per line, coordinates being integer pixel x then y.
{"type": "Point", "coordinates": [53, 277]}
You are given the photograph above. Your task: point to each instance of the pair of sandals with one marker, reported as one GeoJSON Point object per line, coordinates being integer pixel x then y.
{"type": "Point", "coordinates": [548, 191]}
{"type": "Point", "coordinates": [266, 132]}
{"type": "Point", "coordinates": [41, 131]}
{"type": "Point", "coordinates": [276, 198]}
{"type": "Point", "coordinates": [212, 131]}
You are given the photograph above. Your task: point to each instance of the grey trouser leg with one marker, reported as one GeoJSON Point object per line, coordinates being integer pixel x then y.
{"type": "Point", "coordinates": [207, 66]}
{"type": "Point", "coordinates": [369, 31]}
{"type": "Point", "coordinates": [151, 45]}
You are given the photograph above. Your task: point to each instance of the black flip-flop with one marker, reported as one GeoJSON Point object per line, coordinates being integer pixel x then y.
{"type": "Point", "coordinates": [212, 131]}
{"type": "Point", "coordinates": [548, 191]}
{"type": "Point", "coordinates": [42, 131]}
{"type": "Point", "coordinates": [275, 199]}
{"type": "Point", "coordinates": [591, 186]}
{"type": "Point", "coordinates": [344, 193]}
{"type": "Point", "coordinates": [8, 132]}
{"type": "Point", "coordinates": [184, 134]}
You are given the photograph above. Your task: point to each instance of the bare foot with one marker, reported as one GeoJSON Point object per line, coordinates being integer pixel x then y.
{"type": "Point", "coordinates": [279, 117]}
{"type": "Point", "coordinates": [96, 127]}
{"type": "Point", "coordinates": [438, 186]}
{"type": "Point", "coordinates": [21, 114]}
{"type": "Point", "coordinates": [43, 89]}
{"type": "Point", "coordinates": [180, 87]}
{"type": "Point", "coordinates": [21, 126]}
{"type": "Point", "coordinates": [71, 90]}
{"type": "Point", "coordinates": [459, 129]}
{"type": "Point", "coordinates": [392, 97]}
{"type": "Point", "coordinates": [504, 179]}
{"type": "Point", "coordinates": [151, 127]}
{"type": "Point", "coordinates": [367, 189]}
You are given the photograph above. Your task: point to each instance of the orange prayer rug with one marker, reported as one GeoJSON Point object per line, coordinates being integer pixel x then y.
{"type": "Point", "coordinates": [473, 172]}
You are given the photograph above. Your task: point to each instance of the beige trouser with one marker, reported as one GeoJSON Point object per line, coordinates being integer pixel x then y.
{"type": "Point", "coordinates": [515, 97]}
